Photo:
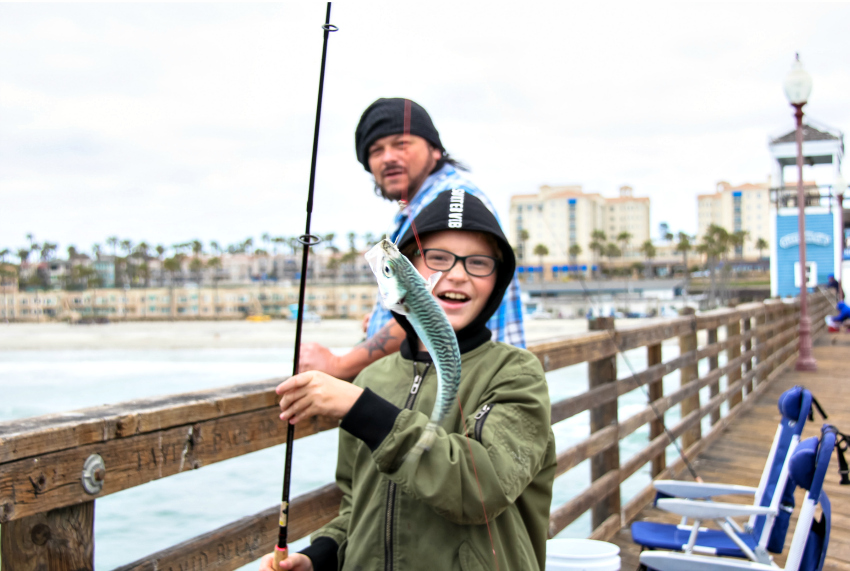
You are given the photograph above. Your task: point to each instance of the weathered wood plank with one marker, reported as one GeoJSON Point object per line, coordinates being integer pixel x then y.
{"type": "Point", "coordinates": [247, 539]}
{"type": "Point", "coordinates": [603, 416]}
{"type": "Point", "coordinates": [570, 511]}
{"type": "Point", "coordinates": [58, 540]}
{"type": "Point", "coordinates": [27, 437]}
{"type": "Point", "coordinates": [45, 482]}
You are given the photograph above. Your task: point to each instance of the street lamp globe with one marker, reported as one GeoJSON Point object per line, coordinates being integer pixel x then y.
{"type": "Point", "coordinates": [798, 84]}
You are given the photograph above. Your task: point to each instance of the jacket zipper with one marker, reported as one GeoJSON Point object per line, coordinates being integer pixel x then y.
{"type": "Point", "coordinates": [480, 417]}
{"type": "Point", "coordinates": [388, 530]}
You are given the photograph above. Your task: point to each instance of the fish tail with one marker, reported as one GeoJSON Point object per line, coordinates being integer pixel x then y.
{"type": "Point", "coordinates": [424, 443]}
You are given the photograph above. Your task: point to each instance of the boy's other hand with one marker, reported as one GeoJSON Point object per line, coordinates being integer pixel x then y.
{"type": "Point", "coordinates": [315, 393]}
{"type": "Point", "coordinates": [316, 357]}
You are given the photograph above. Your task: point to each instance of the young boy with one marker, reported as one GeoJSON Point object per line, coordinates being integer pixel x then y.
{"type": "Point", "coordinates": [485, 485]}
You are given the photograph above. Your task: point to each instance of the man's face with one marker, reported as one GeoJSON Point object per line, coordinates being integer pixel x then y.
{"type": "Point", "coordinates": [401, 163]}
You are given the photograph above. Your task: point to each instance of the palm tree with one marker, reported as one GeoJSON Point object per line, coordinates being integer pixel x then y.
{"type": "Point", "coordinates": [3, 253]}
{"type": "Point", "coordinates": [648, 250]}
{"type": "Point", "coordinates": [215, 265]}
{"type": "Point", "coordinates": [523, 238]}
{"type": "Point", "coordinates": [761, 245]}
{"type": "Point", "coordinates": [684, 246]}
{"type": "Point", "coordinates": [574, 252]}
{"type": "Point", "coordinates": [47, 250]}
{"type": "Point", "coordinates": [30, 240]}
{"type": "Point", "coordinates": [112, 241]}
{"type": "Point", "coordinates": [597, 244]}
{"type": "Point", "coordinates": [540, 250]}
{"type": "Point", "coordinates": [328, 239]}
{"type": "Point", "coordinates": [612, 251]}
{"type": "Point", "coordinates": [624, 238]}
{"type": "Point", "coordinates": [96, 251]}
{"type": "Point", "coordinates": [24, 255]}
{"type": "Point", "coordinates": [737, 240]}
{"type": "Point", "coordinates": [715, 243]}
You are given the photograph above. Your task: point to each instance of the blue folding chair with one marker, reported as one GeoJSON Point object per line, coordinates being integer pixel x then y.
{"type": "Point", "coordinates": [808, 466]}
{"type": "Point", "coordinates": [769, 513]}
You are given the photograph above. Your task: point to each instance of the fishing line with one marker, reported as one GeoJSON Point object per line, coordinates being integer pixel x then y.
{"type": "Point", "coordinates": [404, 201]}
{"type": "Point", "coordinates": [281, 551]}
{"type": "Point", "coordinates": [658, 414]}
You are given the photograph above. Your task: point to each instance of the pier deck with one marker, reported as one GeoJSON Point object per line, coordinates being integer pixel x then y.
{"type": "Point", "coordinates": [739, 455]}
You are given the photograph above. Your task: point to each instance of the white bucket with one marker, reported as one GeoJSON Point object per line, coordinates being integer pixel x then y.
{"type": "Point", "coordinates": [581, 555]}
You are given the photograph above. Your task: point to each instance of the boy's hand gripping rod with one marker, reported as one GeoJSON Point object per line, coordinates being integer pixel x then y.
{"type": "Point", "coordinates": [281, 551]}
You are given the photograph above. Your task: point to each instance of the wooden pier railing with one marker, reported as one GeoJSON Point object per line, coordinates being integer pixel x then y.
{"type": "Point", "coordinates": [54, 467]}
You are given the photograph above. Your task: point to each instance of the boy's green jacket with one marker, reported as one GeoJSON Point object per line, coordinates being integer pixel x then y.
{"type": "Point", "coordinates": [428, 513]}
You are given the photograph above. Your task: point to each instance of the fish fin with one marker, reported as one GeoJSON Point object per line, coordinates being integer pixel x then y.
{"type": "Point", "coordinates": [424, 443]}
{"type": "Point", "coordinates": [433, 279]}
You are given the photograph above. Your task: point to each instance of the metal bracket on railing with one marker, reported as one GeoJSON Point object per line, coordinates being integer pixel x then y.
{"type": "Point", "coordinates": [94, 471]}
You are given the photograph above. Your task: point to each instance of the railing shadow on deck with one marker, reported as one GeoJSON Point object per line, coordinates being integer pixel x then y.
{"type": "Point", "coordinates": [42, 459]}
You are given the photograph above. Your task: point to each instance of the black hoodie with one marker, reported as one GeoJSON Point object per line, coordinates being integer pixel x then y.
{"type": "Point", "coordinates": [459, 210]}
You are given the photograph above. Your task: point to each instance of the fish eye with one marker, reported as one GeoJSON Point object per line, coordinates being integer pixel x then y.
{"type": "Point", "coordinates": [388, 271]}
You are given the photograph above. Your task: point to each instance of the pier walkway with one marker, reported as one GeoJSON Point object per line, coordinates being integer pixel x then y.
{"type": "Point", "coordinates": [739, 455]}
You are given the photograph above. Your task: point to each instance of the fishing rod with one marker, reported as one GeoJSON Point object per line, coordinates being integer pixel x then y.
{"type": "Point", "coordinates": [307, 239]}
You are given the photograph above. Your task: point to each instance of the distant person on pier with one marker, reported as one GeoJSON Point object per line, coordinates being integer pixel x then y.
{"type": "Point", "coordinates": [479, 498]}
{"type": "Point", "coordinates": [832, 283]}
{"type": "Point", "coordinates": [843, 318]}
{"type": "Point", "coordinates": [416, 164]}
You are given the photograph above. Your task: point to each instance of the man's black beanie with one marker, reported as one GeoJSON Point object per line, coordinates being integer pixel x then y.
{"type": "Point", "coordinates": [386, 117]}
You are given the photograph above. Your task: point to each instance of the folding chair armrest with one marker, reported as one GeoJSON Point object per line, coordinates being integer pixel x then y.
{"type": "Point", "coordinates": [698, 490]}
{"type": "Point", "coordinates": [710, 510]}
{"type": "Point", "coordinates": [669, 561]}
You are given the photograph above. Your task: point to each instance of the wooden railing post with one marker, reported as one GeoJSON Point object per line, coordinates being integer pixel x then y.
{"type": "Point", "coordinates": [656, 392]}
{"type": "Point", "coordinates": [733, 329]}
{"type": "Point", "coordinates": [713, 388]}
{"type": "Point", "coordinates": [58, 540]}
{"type": "Point", "coordinates": [689, 374]}
{"type": "Point", "coordinates": [761, 339]}
{"type": "Point", "coordinates": [602, 372]}
{"type": "Point", "coordinates": [748, 363]}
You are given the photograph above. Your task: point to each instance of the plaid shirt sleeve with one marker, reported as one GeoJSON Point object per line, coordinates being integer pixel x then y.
{"type": "Point", "coordinates": [507, 324]}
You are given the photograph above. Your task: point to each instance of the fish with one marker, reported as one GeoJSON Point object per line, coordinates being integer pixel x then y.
{"type": "Point", "coordinates": [404, 291]}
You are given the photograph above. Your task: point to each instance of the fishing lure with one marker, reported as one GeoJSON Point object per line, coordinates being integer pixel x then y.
{"type": "Point", "coordinates": [404, 291]}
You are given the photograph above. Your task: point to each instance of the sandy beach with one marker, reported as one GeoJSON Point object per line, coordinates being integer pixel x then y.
{"type": "Point", "coordinates": [337, 333]}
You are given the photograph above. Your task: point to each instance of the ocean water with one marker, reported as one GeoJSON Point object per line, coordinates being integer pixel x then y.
{"type": "Point", "coordinates": [157, 515]}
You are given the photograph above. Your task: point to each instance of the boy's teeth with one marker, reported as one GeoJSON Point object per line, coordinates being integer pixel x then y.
{"type": "Point", "coordinates": [456, 296]}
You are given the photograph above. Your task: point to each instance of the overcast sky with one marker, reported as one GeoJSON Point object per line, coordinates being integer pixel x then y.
{"type": "Point", "coordinates": [170, 122]}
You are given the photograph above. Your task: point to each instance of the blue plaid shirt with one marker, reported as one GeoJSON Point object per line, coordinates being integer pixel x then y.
{"type": "Point", "coordinates": [506, 324]}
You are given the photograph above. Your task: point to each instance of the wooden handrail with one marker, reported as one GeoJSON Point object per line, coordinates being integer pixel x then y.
{"type": "Point", "coordinates": [144, 440]}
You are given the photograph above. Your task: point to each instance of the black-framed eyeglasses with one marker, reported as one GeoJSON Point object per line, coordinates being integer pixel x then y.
{"type": "Point", "coordinates": [478, 265]}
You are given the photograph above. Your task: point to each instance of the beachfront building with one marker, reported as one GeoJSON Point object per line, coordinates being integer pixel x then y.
{"type": "Point", "coordinates": [562, 217]}
{"type": "Point", "coordinates": [737, 208]}
{"type": "Point", "coordinates": [189, 303]}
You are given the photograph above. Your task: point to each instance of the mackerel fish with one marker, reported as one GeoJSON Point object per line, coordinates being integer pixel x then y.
{"type": "Point", "coordinates": [405, 291]}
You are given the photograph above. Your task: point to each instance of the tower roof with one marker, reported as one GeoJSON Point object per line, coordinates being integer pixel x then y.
{"type": "Point", "coordinates": [809, 134]}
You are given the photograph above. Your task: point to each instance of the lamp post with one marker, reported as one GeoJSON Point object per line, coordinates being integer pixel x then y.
{"type": "Point", "coordinates": [840, 187]}
{"type": "Point", "coordinates": [798, 86]}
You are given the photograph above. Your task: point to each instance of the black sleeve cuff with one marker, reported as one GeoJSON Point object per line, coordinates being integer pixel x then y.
{"type": "Point", "coordinates": [323, 554]}
{"type": "Point", "coordinates": [370, 419]}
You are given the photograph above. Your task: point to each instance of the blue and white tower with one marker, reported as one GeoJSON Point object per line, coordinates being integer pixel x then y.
{"type": "Point", "coordinates": [825, 225]}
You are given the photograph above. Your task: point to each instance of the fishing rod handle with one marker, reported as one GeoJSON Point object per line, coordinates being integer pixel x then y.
{"type": "Point", "coordinates": [280, 554]}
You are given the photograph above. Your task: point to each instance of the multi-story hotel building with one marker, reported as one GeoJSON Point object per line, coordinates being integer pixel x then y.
{"type": "Point", "coordinates": [734, 208]}
{"type": "Point", "coordinates": [561, 216]}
